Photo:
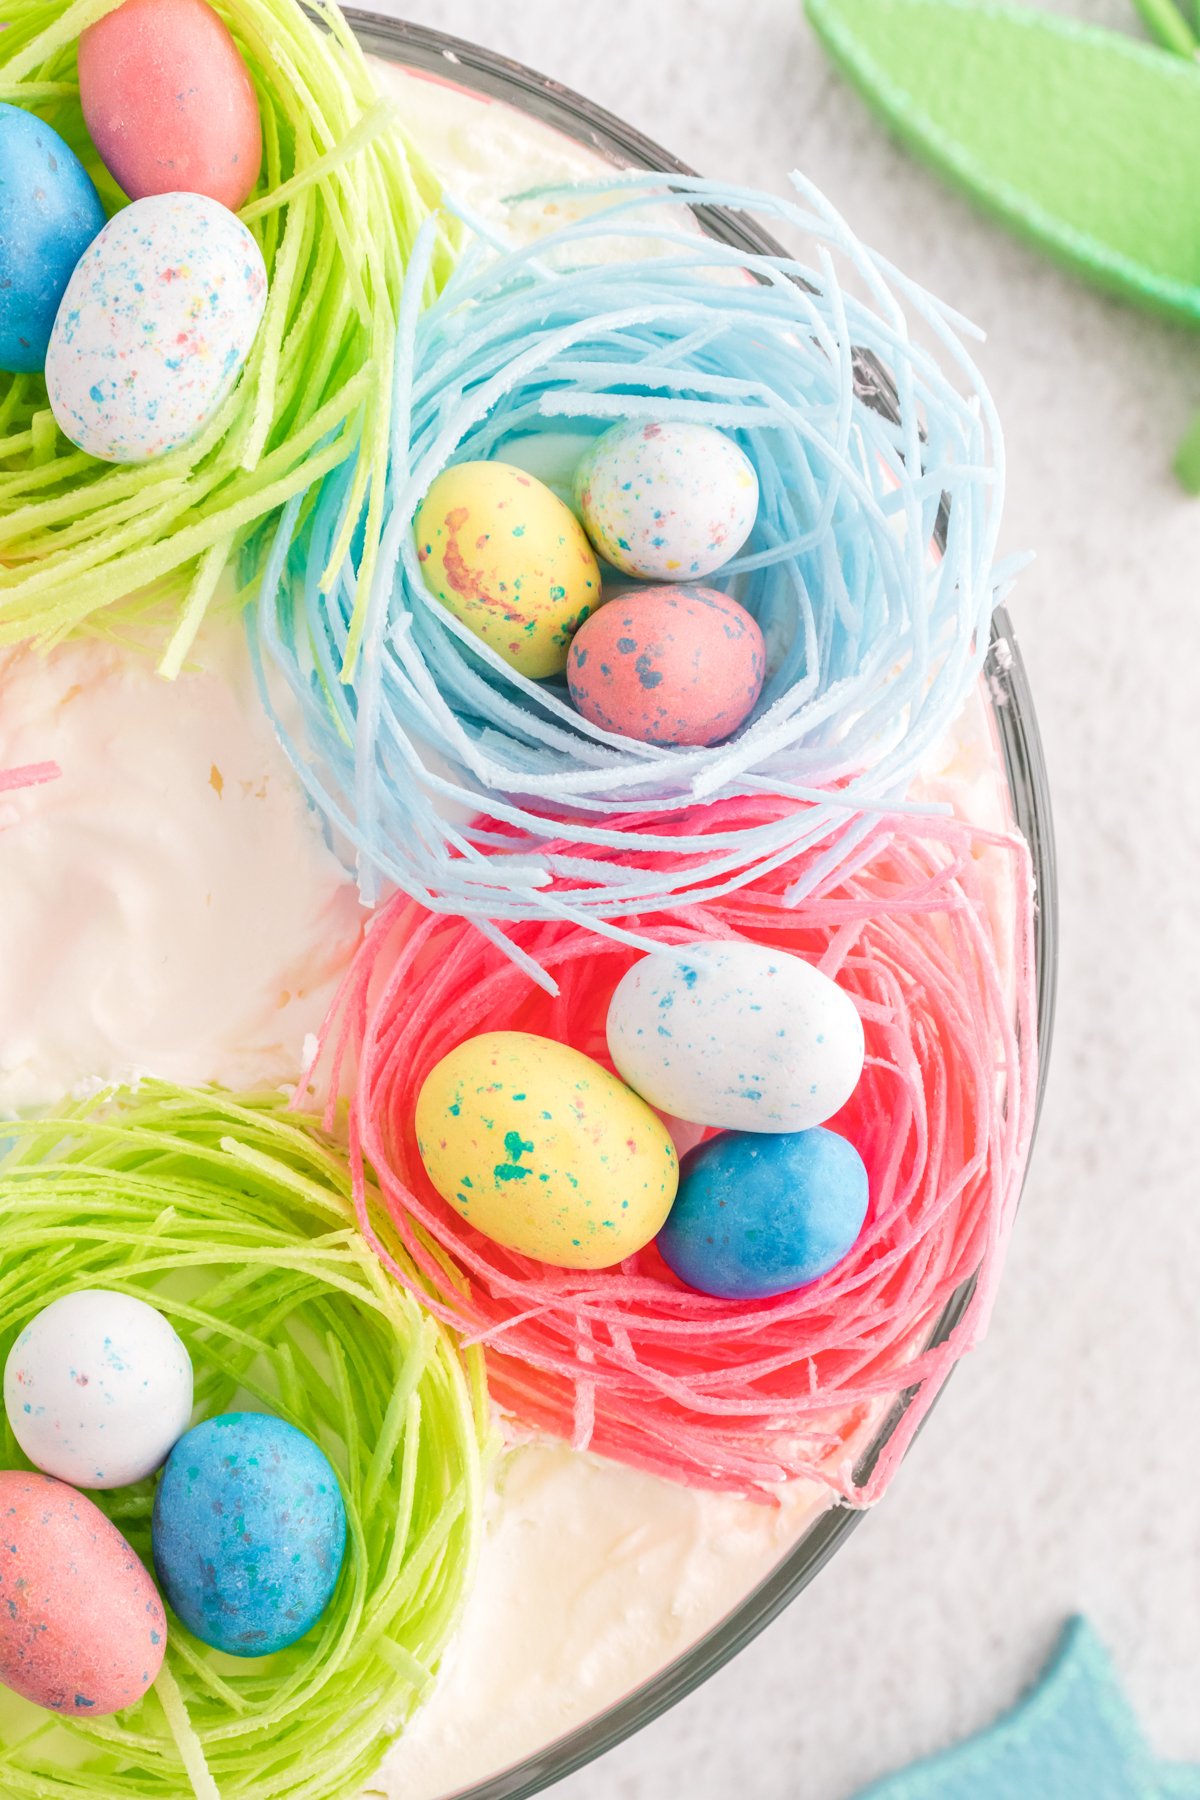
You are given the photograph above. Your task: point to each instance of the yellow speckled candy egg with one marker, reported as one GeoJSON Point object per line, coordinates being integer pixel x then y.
{"type": "Point", "coordinates": [504, 555]}
{"type": "Point", "coordinates": [544, 1151]}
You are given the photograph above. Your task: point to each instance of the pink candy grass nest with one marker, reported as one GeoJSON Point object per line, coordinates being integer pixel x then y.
{"type": "Point", "coordinates": [626, 1361]}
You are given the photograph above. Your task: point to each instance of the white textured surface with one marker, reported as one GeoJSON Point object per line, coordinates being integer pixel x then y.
{"type": "Point", "coordinates": [169, 907]}
{"type": "Point", "coordinates": [1058, 1472]}
{"type": "Point", "coordinates": [592, 1577]}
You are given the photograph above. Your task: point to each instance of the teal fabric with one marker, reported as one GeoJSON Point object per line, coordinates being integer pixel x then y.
{"type": "Point", "coordinates": [1072, 1737]}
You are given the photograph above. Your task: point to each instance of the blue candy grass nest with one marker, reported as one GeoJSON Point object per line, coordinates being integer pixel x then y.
{"type": "Point", "coordinates": [417, 749]}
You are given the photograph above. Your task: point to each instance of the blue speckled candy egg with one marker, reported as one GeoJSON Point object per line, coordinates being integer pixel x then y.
{"type": "Point", "coordinates": [741, 1036]}
{"type": "Point", "coordinates": [668, 502]}
{"type": "Point", "coordinates": [49, 214]}
{"type": "Point", "coordinates": [154, 327]}
{"type": "Point", "coordinates": [757, 1216]}
{"type": "Point", "coordinates": [249, 1533]}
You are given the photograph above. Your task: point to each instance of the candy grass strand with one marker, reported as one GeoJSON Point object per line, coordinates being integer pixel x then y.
{"type": "Point", "coordinates": [875, 638]}
{"type": "Point", "coordinates": [29, 775]}
{"type": "Point", "coordinates": [928, 928]}
{"type": "Point", "coordinates": [338, 207]}
{"type": "Point", "coordinates": [238, 1220]}
{"type": "Point", "coordinates": [191, 1751]}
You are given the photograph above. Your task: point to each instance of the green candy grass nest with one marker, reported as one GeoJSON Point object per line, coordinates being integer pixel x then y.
{"type": "Point", "coordinates": [338, 205]}
{"type": "Point", "coordinates": [236, 1219]}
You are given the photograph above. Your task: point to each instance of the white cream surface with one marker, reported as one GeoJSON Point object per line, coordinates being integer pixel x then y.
{"type": "Point", "coordinates": [171, 908]}
{"type": "Point", "coordinates": [490, 156]}
{"type": "Point", "coordinates": [487, 153]}
{"type": "Point", "coordinates": [593, 1578]}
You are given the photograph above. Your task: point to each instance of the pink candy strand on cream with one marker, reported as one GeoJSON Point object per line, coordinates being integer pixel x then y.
{"type": "Point", "coordinates": [31, 775]}
{"type": "Point", "coordinates": [727, 1394]}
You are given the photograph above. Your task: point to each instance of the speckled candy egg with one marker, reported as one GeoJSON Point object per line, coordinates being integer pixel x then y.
{"type": "Point", "coordinates": [544, 1151]}
{"type": "Point", "coordinates": [154, 327]}
{"type": "Point", "coordinates": [758, 1216]}
{"type": "Point", "coordinates": [668, 665]}
{"type": "Point", "coordinates": [667, 502]}
{"type": "Point", "coordinates": [504, 555]}
{"type": "Point", "coordinates": [169, 101]}
{"type": "Point", "coordinates": [97, 1388]}
{"type": "Point", "coordinates": [49, 214]}
{"type": "Point", "coordinates": [739, 1036]}
{"type": "Point", "coordinates": [249, 1533]}
{"type": "Point", "coordinates": [82, 1630]}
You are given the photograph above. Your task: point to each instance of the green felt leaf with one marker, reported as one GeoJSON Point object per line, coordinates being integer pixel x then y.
{"type": "Point", "coordinates": [1166, 23]}
{"type": "Point", "coordinates": [1083, 140]}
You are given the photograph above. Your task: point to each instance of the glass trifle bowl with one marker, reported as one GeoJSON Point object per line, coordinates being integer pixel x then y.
{"type": "Point", "coordinates": [603, 1595]}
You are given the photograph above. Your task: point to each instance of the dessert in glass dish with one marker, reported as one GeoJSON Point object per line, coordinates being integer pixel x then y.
{"type": "Point", "coordinates": [526, 896]}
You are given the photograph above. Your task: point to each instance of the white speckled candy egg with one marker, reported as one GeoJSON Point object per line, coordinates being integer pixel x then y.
{"type": "Point", "coordinates": [668, 502]}
{"type": "Point", "coordinates": [154, 327]}
{"type": "Point", "coordinates": [739, 1036]}
{"type": "Point", "coordinates": [98, 1389]}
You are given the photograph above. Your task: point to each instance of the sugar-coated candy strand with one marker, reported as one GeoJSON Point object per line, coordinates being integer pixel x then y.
{"type": "Point", "coordinates": [191, 1751]}
{"type": "Point", "coordinates": [30, 775]}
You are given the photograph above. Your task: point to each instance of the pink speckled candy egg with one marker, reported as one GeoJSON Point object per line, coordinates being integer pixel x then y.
{"type": "Point", "coordinates": [668, 502]}
{"type": "Point", "coordinates": [82, 1629]}
{"type": "Point", "coordinates": [668, 665]}
{"type": "Point", "coordinates": [169, 101]}
{"type": "Point", "coordinates": [154, 327]}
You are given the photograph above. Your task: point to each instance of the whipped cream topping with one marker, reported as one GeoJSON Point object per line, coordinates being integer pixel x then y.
{"type": "Point", "coordinates": [593, 1578]}
{"type": "Point", "coordinates": [488, 154]}
{"type": "Point", "coordinates": [169, 906]}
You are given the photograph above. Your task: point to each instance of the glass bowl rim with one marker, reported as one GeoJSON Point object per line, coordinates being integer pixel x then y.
{"type": "Point", "coordinates": [488, 73]}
